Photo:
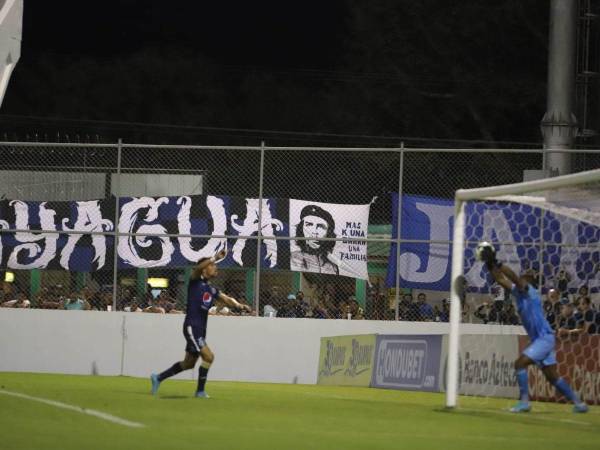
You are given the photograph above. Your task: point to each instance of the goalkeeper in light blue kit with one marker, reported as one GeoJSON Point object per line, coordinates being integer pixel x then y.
{"type": "Point", "coordinates": [541, 349]}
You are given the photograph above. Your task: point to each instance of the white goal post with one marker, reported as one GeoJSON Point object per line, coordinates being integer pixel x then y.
{"type": "Point", "coordinates": [565, 196]}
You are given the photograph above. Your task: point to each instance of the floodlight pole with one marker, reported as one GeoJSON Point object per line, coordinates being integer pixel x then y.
{"type": "Point", "coordinates": [11, 30]}
{"type": "Point", "coordinates": [559, 124]}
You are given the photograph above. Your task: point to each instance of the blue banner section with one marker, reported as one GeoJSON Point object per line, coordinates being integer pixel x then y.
{"type": "Point", "coordinates": [570, 257]}
{"type": "Point", "coordinates": [423, 265]}
{"type": "Point", "coordinates": [410, 362]}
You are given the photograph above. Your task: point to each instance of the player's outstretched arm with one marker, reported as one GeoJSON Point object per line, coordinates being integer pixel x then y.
{"type": "Point", "coordinates": [200, 265]}
{"type": "Point", "coordinates": [233, 303]}
{"type": "Point", "coordinates": [221, 254]}
{"type": "Point", "coordinates": [503, 274]}
{"type": "Point", "coordinates": [501, 278]}
{"type": "Point", "coordinates": [513, 277]}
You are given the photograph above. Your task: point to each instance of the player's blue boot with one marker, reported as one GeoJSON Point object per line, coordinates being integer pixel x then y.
{"type": "Point", "coordinates": [202, 394]}
{"type": "Point", "coordinates": [580, 408]}
{"type": "Point", "coordinates": [521, 407]}
{"type": "Point", "coordinates": [155, 383]}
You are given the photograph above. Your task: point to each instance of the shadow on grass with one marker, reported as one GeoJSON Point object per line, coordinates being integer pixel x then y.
{"type": "Point", "coordinates": [159, 396]}
{"type": "Point", "coordinates": [538, 417]}
{"type": "Point", "coordinates": [174, 397]}
{"type": "Point", "coordinates": [482, 414]}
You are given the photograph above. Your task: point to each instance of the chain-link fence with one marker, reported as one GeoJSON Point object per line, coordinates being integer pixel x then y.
{"type": "Point", "coordinates": [331, 243]}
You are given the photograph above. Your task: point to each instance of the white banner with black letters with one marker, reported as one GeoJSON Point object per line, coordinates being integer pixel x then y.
{"type": "Point", "coordinates": [312, 222]}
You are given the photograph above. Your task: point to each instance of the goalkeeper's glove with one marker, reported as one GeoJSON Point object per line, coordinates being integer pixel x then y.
{"type": "Point", "coordinates": [488, 256]}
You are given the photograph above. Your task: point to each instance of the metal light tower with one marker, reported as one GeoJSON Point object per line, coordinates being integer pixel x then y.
{"type": "Point", "coordinates": [559, 124]}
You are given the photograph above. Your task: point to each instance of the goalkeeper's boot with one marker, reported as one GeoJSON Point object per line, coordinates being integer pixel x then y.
{"type": "Point", "coordinates": [202, 394]}
{"type": "Point", "coordinates": [521, 407]}
{"type": "Point", "coordinates": [155, 383]}
{"type": "Point", "coordinates": [580, 408]}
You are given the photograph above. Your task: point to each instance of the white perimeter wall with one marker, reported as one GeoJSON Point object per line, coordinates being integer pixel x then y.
{"type": "Point", "coordinates": [255, 349]}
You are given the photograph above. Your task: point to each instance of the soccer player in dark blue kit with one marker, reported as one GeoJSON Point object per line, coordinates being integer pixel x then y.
{"type": "Point", "coordinates": [541, 348]}
{"type": "Point", "coordinates": [201, 296]}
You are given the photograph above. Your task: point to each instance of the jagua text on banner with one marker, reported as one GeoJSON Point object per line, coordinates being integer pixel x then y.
{"type": "Point", "coordinates": [161, 232]}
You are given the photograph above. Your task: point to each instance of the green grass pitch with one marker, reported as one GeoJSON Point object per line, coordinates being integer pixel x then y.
{"type": "Point", "coordinates": [272, 416]}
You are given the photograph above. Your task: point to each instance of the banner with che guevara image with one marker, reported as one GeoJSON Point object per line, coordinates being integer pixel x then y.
{"type": "Point", "coordinates": [207, 215]}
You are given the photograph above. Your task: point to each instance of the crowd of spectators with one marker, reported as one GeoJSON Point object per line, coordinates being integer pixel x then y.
{"type": "Point", "coordinates": [421, 311]}
{"type": "Point", "coordinates": [327, 305]}
{"type": "Point", "coordinates": [571, 315]}
{"type": "Point", "coordinates": [568, 313]}
{"type": "Point", "coordinates": [497, 312]}
{"type": "Point", "coordinates": [323, 305]}
{"type": "Point", "coordinates": [58, 297]}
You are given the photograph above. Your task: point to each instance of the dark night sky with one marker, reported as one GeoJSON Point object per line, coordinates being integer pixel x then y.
{"type": "Point", "coordinates": [270, 33]}
{"type": "Point", "coordinates": [383, 68]}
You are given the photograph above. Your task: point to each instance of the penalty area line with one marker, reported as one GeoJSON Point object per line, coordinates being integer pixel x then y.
{"type": "Point", "coordinates": [89, 412]}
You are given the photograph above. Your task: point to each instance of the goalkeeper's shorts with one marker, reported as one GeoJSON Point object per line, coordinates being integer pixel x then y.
{"type": "Point", "coordinates": [541, 351]}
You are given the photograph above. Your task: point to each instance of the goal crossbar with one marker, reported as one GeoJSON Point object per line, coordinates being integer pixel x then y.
{"type": "Point", "coordinates": [528, 186]}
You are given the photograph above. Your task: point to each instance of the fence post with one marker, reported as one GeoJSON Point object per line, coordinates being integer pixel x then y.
{"type": "Point", "coordinates": [116, 224]}
{"type": "Point", "coordinates": [259, 236]}
{"type": "Point", "coordinates": [398, 231]}
{"type": "Point", "coordinates": [541, 253]}
{"type": "Point", "coordinates": [542, 246]}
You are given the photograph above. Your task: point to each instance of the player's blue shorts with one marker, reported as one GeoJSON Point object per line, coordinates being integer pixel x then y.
{"type": "Point", "coordinates": [194, 339]}
{"type": "Point", "coordinates": [541, 351]}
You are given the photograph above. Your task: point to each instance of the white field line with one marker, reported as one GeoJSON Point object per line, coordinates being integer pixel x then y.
{"type": "Point", "coordinates": [89, 412]}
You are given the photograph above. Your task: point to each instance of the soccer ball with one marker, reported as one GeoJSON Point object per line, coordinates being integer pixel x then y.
{"type": "Point", "coordinates": [482, 248]}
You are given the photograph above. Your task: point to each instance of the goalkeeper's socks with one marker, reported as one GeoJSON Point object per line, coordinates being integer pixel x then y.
{"type": "Point", "coordinates": [523, 385]}
{"type": "Point", "coordinates": [202, 374]}
{"type": "Point", "coordinates": [173, 370]}
{"type": "Point", "coordinates": [563, 387]}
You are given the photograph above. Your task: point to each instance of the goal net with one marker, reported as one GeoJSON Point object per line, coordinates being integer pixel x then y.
{"type": "Point", "coordinates": [550, 228]}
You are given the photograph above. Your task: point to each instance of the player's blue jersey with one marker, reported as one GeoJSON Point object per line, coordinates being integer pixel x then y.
{"type": "Point", "coordinates": [529, 306]}
{"type": "Point", "coordinates": [201, 296]}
